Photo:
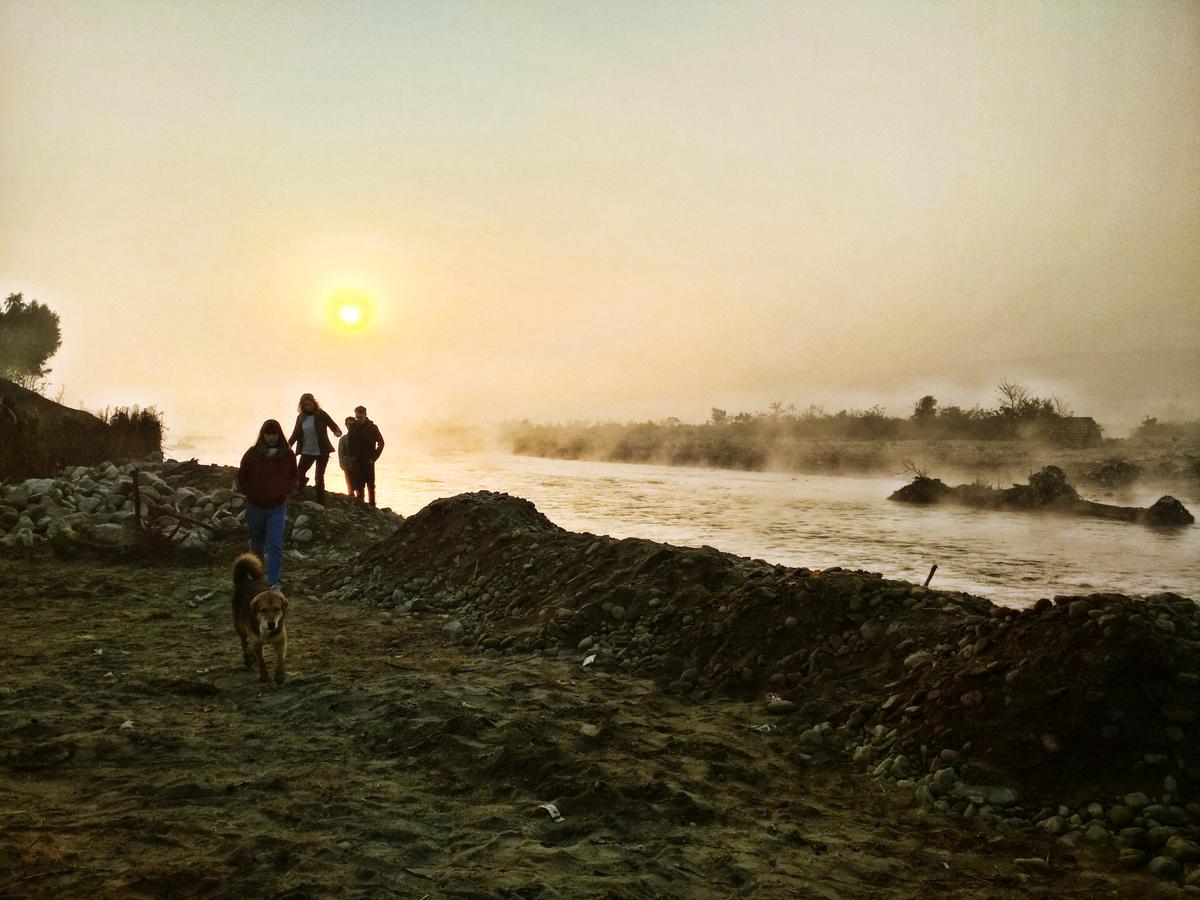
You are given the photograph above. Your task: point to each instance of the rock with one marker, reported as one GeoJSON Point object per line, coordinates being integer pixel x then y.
{"type": "Point", "coordinates": [1165, 867]}
{"type": "Point", "coordinates": [1002, 797]}
{"type": "Point", "coordinates": [1136, 801]}
{"type": "Point", "coordinates": [811, 737]}
{"type": "Point", "coordinates": [109, 534]}
{"type": "Point", "coordinates": [1051, 744]}
{"type": "Point", "coordinates": [1096, 832]}
{"type": "Point", "coordinates": [586, 643]}
{"type": "Point", "coordinates": [972, 698]}
{"type": "Point", "coordinates": [1130, 858]}
{"type": "Point", "coordinates": [1166, 815]}
{"type": "Point", "coordinates": [1168, 511]}
{"type": "Point", "coordinates": [1054, 825]}
{"type": "Point", "coordinates": [1181, 849]}
{"type": "Point", "coordinates": [780, 707]}
{"type": "Point", "coordinates": [302, 535]}
{"type": "Point", "coordinates": [453, 628]}
{"type": "Point", "coordinates": [1121, 816]}
{"type": "Point", "coordinates": [35, 487]}
{"type": "Point", "coordinates": [872, 630]}
{"type": "Point", "coordinates": [1078, 609]}
{"type": "Point", "coordinates": [197, 539]}
{"type": "Point", "coordinates": [302, 520]}
{"type": "Point", "coordinates": [920, 658]}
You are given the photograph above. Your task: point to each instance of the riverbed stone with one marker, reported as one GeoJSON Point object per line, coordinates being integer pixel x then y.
{"type": "Point", "coordinates": [1165, 867]}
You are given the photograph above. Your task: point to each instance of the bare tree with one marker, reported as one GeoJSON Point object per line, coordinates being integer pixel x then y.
{"type": "Point", "coordinates": [1014, 398]}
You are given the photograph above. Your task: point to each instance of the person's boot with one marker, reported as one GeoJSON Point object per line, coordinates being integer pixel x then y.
{"type": "Point", "coordinates": [321, 495]}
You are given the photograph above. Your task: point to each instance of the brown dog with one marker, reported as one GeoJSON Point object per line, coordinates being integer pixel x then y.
{"type": "Point", "coordinates": [258, 613]}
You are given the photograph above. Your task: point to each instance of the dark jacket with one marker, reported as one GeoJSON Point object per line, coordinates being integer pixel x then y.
{"type": "Point", "coordinates": [267, 480]}
{"type": "Point", "coordinates": [365, 440]}
{"type": "Point", "coordinates": [325, 424]}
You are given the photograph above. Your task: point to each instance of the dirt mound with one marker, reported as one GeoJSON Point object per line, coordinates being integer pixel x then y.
{"type": "Point", "coordinates": [1083, 702]}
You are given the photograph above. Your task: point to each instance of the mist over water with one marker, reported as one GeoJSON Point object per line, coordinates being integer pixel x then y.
{"type": "Point", "coordinates": [817, 521]}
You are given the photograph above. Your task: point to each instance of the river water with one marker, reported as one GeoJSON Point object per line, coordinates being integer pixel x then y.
{"type": "Point", "coordinates": [816, 521]}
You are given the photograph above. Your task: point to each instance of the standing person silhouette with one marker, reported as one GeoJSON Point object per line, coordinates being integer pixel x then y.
{"type": "Point", "coordinates": [311, 437]}
{"type": "Point", "coordinates": [346, 456]}
{"type": "Point", "coordinates": [266, 476]}
{"type": "Point", "coordinates": [366, 445]}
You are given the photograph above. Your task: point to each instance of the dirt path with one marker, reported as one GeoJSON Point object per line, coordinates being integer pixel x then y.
{"type": "Point", "coordinates": [395, 764]}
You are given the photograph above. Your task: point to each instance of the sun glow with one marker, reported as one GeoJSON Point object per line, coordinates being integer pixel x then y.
{"type": "Point", "coordinates": [349, 309]}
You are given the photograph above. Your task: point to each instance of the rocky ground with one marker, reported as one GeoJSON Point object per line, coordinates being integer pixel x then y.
{"type": "Point", "coordinates": [702, 724]}
{"type": "Point", "coordinates": [182, 506]}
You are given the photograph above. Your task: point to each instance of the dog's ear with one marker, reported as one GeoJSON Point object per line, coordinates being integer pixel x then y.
{"type": "Point", "coordinates": [284, 601]}
{"type": "Point", "coordinates": [255, 604]}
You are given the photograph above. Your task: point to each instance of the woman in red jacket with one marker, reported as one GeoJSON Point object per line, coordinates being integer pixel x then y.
{"type": "Point", "coordinates": [266, 476]}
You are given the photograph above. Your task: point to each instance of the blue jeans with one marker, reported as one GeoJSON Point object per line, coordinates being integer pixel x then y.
{"type": "Point", "coordinates": [266, 533]}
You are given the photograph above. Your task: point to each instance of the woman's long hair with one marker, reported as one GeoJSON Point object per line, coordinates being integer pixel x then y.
{"type": "Point", "coordinates": [268, 427]}
{"type": "Point", "coordinates": [303, 397]}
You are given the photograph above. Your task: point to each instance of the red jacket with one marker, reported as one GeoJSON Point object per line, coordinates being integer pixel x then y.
{"type": "Point", "coordinates": [267, 480]}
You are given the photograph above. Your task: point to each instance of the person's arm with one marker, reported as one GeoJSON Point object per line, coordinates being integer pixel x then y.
{"type": "Point", "coordinates": [332, 425]}
{"type": "Point", "coordinates": [378, 443]}
{"type": "Point", "coordinates": [293, 472]}
{"type": "Point", "coordinates": [296, 433]}
{"type": "Point", "coordinates": [243, 473]}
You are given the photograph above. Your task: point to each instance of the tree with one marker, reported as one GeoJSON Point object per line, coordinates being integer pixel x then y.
{"type": "Point", "coordinates": [29, 336]}
{"type": "Point", "coordinates": [925, 409]}
{"type": "Point", "coordinates": [1015, 399]}
{"type": "Point", "coordinates": [719, 416]}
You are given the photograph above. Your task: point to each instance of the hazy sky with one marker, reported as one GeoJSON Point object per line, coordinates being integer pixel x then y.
{"type": "Point", "coordinates": [606, 209]}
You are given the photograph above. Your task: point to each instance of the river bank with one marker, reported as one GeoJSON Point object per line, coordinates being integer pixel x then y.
{"type": "Point", "coordinates": [739, 728]}
{"type": "Point", "coordinates": [1169, 466]}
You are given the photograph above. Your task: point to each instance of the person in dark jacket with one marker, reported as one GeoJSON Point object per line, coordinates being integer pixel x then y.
{"type": "Point", "coordinates": [266, 476]}
{"type": "Point", "coordinates": [366, 445]}
{"type": "Point", "coordinates": [311, 437]}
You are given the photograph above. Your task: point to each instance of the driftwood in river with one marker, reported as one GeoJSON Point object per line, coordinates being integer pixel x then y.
{"type": "Point", "coordinates": [1047, 491]}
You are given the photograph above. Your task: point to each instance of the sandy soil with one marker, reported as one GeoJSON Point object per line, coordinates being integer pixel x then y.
{"type": "Point", "coordinates": [140, 759]}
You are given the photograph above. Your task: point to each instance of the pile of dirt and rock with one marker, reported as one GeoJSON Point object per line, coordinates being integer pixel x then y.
{"type": "Point", "coordinates": [1047, 491]}
{"type": "Point", "coordinates": [1076, 715]}
{"type": "Point", "coordinates": [192, 506]}
{"type": "Point", "coordinates": [39, 436]}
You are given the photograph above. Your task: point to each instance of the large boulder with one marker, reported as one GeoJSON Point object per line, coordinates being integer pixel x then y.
{"type": "Point", "coordinates": [1167, 511]}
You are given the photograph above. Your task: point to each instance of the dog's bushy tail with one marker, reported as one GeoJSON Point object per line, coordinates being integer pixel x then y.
{"type": "Point", "coordinates": [247, 567]}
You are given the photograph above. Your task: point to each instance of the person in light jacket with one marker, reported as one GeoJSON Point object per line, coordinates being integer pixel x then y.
{"type": "Point", "coordinates": [346, 456]}
{"type": "Point", "coordinates": [311, 438]}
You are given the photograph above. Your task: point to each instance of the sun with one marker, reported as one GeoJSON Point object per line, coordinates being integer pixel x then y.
{"type": "Point", "coordinates": [349, 309]}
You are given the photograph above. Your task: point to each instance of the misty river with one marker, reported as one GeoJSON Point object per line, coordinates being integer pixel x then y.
{"type": "Point", "coordinates": [816, 521]}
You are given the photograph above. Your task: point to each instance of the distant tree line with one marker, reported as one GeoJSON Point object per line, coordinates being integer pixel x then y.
{"type": "Point", "coordinates": [752, 440]}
